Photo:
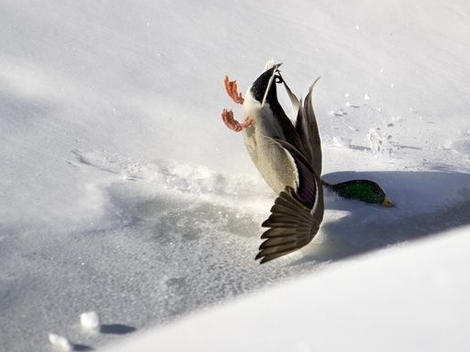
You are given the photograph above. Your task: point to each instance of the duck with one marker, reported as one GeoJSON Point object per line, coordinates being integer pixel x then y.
{"type": "Point", "coordinates": [288, 156]}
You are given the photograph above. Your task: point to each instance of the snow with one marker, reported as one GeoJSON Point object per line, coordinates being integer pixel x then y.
{"type": "Point", "coordinates": [90, 321]}
{"type": "Point", "coordinates": [60, 342]}
{"type": "Point", "coordinates": [354, 305]}
{"type": "Point", "coordinates": [125, 195]}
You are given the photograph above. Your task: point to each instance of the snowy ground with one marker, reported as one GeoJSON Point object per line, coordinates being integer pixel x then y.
{"type": "Point", "coordinates": [388, 301]}
{"type": "Point", "coordinates": [124, 194]}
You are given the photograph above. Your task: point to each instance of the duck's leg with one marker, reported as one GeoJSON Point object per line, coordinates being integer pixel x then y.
{"type": "Point", "coordinates": [232, 90]}
{"type": "Point", "coordinates": [234, 125]}
{"type": "Point", "coordinates": [227, 115]}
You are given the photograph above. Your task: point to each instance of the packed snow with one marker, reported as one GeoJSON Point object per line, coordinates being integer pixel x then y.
{"type": "Point", "coordinates": [90, 321]}
{"type": "Point", "coordinates": [124, 195]}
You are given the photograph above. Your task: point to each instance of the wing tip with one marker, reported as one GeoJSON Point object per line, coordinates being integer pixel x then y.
{"type": "Point", "coordinates": [291, 226]}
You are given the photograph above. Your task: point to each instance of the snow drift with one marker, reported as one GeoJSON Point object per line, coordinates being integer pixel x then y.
{"type": "Point", "coordinates": [125, 195]}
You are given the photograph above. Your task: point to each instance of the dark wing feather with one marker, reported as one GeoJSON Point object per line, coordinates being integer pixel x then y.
{"type": "Point", "coordinates": [307, 129]}
{"type": "Point", "coordinates": [291, 226]}
{"type": "Point", "coordinates": [292, 97]}
{"type": "Point", "coordinates": [306, 126]}
{"type": "Point", "coordinates": [306, 189]}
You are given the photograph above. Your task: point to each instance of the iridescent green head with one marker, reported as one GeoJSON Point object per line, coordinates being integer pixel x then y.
{"type": "Point", "coordinates": [363, 190]}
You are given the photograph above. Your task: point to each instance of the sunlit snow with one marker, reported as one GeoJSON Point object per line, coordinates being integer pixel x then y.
{"type": "Point", "coordinates": [124, 194]}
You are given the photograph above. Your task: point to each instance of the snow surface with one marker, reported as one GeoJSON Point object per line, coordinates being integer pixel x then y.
{"type": "Point", "coordinates": [389, 301]}
{"type": "Point", "coordinates": [124, 194]}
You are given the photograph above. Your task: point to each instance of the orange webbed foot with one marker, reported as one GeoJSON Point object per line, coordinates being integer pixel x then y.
{"type": "Point", "coordinates": [232, 90]}
{"type": "Point", "coordinates": [234, 125]}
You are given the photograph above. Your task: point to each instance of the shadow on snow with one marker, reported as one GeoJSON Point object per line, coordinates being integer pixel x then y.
{"type": "Point", "coordinates": [427, 203]}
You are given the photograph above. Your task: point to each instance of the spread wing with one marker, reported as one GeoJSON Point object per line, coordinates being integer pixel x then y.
{"type": "Point", "coordinates": [291, 226]}
{"type": "Point", "coordinates": [296, 214]}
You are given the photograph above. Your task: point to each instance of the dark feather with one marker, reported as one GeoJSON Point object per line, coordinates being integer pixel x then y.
{"type": "Point", "coordinates": [291, 224]}
{"type": "Point", "coordinates": [307, 128]}
{"type": "Point", "coordinates": [307, 188]}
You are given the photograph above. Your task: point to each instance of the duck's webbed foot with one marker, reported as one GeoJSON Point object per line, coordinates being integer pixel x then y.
{"type": "Point", "coordinates": [234, 125]}
{"type": "Point", "coordinates": [232, 90]}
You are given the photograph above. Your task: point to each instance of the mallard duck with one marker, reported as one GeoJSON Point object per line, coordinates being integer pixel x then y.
{"type": "Point", "coordinates": [288, 157]}
{"type": "Point", "coordinates": [283, 155]}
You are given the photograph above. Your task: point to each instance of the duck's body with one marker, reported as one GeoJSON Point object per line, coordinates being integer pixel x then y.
{"type": "Point", "coordinates": [288, 157]}
{"type": "Point", "coordinates": [273, 161]}
{"type": "Point", "coordinates": [277, 148]}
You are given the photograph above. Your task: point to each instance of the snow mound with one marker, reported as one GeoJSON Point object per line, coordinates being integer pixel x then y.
{"type": "Point", "coordinates": [353, 304]}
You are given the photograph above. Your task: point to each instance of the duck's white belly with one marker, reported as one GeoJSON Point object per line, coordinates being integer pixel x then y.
{"type": "Point", "coordinates": [273, 162]}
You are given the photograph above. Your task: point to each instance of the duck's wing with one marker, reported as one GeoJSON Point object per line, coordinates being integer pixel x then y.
{"type": "Point", "coordinates": [296, 214]}
{"type": "Point", "coordinates": [292, 97]}
{"type": "Point", "coordinates": [307, 187]}
{"type": "Point", "coordinates": [307, 128]}
{"type": "Point", "coordinates": [291, 226]}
